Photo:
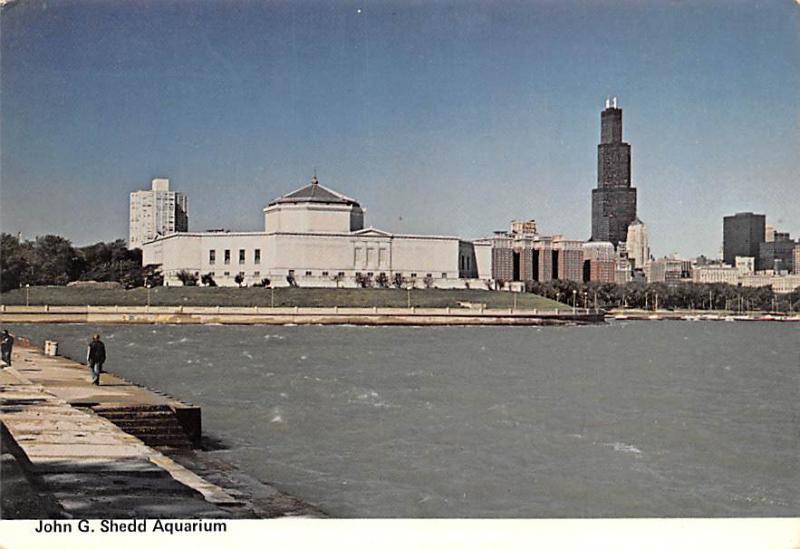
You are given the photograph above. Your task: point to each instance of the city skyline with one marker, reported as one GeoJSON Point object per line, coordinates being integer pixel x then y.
{"type": "Point", "coordinates": [488, 113]}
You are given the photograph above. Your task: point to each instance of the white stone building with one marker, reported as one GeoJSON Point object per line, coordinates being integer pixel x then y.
{"type": "Point", "coordinates": [637, 244]}
{"type": "Point", "coordinates": [713, 274]}
{"type": "Point", "coordinates": [316, 237]}
{"type": "Point", "coordinates": [156, 212]}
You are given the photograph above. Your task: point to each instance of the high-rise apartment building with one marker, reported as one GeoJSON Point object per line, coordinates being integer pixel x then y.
{"type": "Point", "coordinates": [742, 234]}
{"type": "Point", "coordinates": [614, 200]}
{"type": "Point", "coordinates": [156, 212]}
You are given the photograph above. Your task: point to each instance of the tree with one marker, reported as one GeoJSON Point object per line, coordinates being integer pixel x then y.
{"type": "Point", "coordinates": [13, 263]}
{"type": "Point", "coordinates": [152, 275]}
{"type": "Point", "coordinates": [363, 281]}
{"type": "Point", "coordinates": [112, 261]}
{"type": "Point", "coordinates": [382, 280]}
{"type": "Point", "coordinates": [208, 280]}
{"type": "Point", "coordinates": [291, 280]}
{"type": "Point", "coordinates": [338, 277]}
{"type": "Point", "coordinates": [54, 261]}
{"type": "Point", "coordinates": [428, 281]}
{"type": "Point", "coordinates": [187, 278]}
{"type": "Point", "coordinates": [239, 279]}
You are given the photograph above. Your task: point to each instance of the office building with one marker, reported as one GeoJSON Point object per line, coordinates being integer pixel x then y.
{"type": "Point", "coordinates": [637, 245]}
{"type": "Point", "coordinates": [777, 254]}
{"type": "Point", "coordinates": [614, 199]}
{"type": "Point", "coordinates": [742, 234]}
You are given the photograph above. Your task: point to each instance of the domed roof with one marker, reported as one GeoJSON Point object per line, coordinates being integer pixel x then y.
{"type": "Point", "coordinates": [314, 192]}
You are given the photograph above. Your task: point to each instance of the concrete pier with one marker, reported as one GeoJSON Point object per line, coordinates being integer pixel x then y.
{"type": "Point", "coordinates": [79, 464]}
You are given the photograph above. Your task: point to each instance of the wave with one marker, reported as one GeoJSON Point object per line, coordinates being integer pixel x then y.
{"type": "Point", "coordinates": [623, 447]}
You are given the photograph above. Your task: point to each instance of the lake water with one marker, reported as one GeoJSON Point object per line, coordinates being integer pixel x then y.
{"type": "Point", "coordinates": [619, 420]}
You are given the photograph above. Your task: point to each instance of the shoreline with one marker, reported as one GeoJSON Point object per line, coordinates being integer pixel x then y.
{"type": "Point", "coordinates": [360, 316]}
{"type": "Point", "coordinates": [76, 448]}
{"type": "Point", "coordinates": [697, 315]}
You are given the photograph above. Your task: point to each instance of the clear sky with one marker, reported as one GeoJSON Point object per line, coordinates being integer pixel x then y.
{"type": "Point", "coordinates": [439, 117]}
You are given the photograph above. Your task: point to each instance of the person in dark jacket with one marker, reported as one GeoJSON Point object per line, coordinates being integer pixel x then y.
{"type": "Point", "coordinates": [96, 356]}
{"type": "Point", "coordinates": [6, 345]}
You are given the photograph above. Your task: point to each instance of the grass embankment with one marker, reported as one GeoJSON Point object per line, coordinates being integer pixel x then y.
{"type": "Point", "coordinates": [283, 297]}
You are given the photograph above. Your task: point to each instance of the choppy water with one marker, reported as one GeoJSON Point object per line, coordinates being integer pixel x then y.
{"type": "Point", "coordinates": [623, 420]}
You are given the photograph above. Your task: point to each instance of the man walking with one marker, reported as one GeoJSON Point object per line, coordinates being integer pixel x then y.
{"type": "Point", "coordinates": [6, 344]}
{"type": "Point", "coordinates": [96, 356]}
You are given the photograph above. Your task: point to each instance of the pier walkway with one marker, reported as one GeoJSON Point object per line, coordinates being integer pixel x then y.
{"type": "Point", "coordinates": [79, 463]}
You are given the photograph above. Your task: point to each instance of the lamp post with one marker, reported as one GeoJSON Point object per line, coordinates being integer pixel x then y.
{"type": "Point", "coordinates": [27, 295]}
{"type": "Point", "coordinates": [574, 300]}
{"type": "Point", "coordinates": [148, 294]}
{"type": "Point", "coordinates": [272, 296]}
{"type": "Point", "coordinates": [408, 296]}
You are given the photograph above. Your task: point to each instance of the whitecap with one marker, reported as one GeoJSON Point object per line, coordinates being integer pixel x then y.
{"type": "Point", "coordinates": [625, 448]}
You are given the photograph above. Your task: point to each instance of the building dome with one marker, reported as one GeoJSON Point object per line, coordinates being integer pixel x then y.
{"type": "Point", "coordinates": [314, 192]}
{"type": "Point", "coordinates": [314, 208]}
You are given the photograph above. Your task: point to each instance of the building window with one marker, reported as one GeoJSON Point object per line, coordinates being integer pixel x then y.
{"type": "Point", "coordinates": [308, 273]}
{"type": "Point", "coordinates": [241, 257]}
{"type": "Point", "coordinates": [291, 273]}
{"type": "Point", "coordinates": [212, 257]}
{"type": "Point", "coordinates": [324, 273]}
{"type": "Point", "coordinates": [413, 275]}
{"type": "Point", "coordinates": [257, 274]}
{"type": "Point", "coordinates": [227, 273]}
{"type": "Point", "coordinates": [340, 273]}
{"type": "Point", "coordinates": [227, 257]}
{"type": "Point", "coordinates": [428, 275]}
{"type": "Point", "coordinates": [444, 275]}
{"type": "Point", "coordinates": [257, 256]}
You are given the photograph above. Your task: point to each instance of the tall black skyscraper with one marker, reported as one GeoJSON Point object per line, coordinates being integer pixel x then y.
{"type": "Point", "coordinates": [742, 234]}
{"type": "Point", "coordinates": [614, 200]}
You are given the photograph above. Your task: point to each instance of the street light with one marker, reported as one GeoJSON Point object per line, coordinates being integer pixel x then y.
{"type": "Point", "coordinates": [148, 294]}
{"type": "Point", "coordinates": [574, 300]}
{"type": "Point", "coordinates": [27, 295]}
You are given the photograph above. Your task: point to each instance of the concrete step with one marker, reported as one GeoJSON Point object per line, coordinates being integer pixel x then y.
{"type": "Point", "coordinates": [155, 425]}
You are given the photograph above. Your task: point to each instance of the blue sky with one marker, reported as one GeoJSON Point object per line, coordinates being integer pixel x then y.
{"type": "Point", "coordinates": [439, 117]}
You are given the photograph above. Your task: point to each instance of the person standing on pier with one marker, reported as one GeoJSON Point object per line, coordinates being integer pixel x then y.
{"type": "Point", "coordinates": [96, 356]}
{"type": "Point", "coordinates": [6, 345]}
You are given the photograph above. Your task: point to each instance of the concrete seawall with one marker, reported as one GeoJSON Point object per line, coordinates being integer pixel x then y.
{"type": "Point", "coordinates": [71, 449]}
{"type": "Point", "coordinates": [295, 315]}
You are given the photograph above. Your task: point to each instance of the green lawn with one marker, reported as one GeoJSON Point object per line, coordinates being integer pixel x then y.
{"type": "Point", "coordinates": [284, 297]}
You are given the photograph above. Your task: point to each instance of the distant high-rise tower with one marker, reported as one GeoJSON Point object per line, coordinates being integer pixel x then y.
{"type": "Point", "coordinates": [742, 234]}
{"type": "Point", "coordinates": [637, 244]}
{"type": "Point", "coordinates": [156, 212]}
{"type": "Point", "coordinates": [614, 200]}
